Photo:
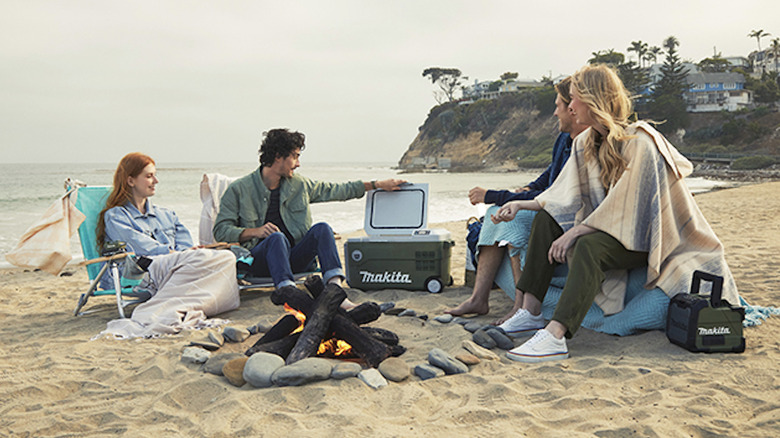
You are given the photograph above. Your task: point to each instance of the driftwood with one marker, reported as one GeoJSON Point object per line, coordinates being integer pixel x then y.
{"type": "Point", "coordinates": [317, 326]}
{"type": "Point", "coordinates": [279, 332]}
{"type": "Point", "coordinates": [314, 285]}
{"type": "Point", "coordinates": [279, 347]}
{"type": "Point", "coordinates": [365, 313]}
{"type": "Point", "coordinates": [383, 335]}
{"type": "Point", "coordinates": [364, 345]}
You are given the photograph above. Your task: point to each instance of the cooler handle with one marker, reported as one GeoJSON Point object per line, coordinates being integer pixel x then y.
{"type": "Point", "coordinates": [717, 286]}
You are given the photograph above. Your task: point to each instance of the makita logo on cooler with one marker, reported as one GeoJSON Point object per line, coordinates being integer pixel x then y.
{"type": "Point", "coordinates": [385, 277]}
{"type": "Point", "coordinates": [714, 331]}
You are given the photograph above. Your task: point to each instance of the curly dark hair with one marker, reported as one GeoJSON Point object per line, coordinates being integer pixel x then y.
{"type": "Point", "coordinates": [279, 143]}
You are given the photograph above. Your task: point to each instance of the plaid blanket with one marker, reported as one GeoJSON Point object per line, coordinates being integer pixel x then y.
{"type": "Point", "coordinates": [649, 209]}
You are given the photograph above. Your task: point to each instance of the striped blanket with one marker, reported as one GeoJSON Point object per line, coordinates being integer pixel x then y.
{"type": "Point", "coordinates": [649, 209]}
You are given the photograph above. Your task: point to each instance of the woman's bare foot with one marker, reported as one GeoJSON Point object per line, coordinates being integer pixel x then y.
{"type": "Point", "coordinates": [469, 307]}
{"type": "Point", "coordinates": [507, 316]}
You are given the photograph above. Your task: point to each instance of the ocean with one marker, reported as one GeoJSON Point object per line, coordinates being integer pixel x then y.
{"type": "Point", "coordinates": [27, 190]}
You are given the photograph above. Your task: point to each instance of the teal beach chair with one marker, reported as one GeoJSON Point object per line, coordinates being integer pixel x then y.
{"type": "Point", "coordinates": [91, 201]}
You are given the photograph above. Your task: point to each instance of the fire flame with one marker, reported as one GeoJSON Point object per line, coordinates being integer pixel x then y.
{"type": "Point", "coordinates": [337, 347]}
{"type": "Point", "coordinates": [301, 317]}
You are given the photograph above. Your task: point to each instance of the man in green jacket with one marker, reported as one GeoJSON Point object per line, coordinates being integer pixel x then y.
{"type": "Point", "coordinates": [268, 212]}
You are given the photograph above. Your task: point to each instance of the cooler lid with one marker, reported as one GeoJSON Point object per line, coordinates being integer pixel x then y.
{"type": "Point", "coordinates": [397, 212]}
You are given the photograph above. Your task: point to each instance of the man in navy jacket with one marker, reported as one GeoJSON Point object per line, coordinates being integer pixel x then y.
{"type": "Point", "coordinates": [491, 254]}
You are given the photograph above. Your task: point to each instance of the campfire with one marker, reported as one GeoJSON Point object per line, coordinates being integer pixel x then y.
{"type": "Point", "coordinates": [316, 326]}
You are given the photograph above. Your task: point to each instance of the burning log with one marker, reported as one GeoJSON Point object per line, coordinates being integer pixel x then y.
{"type": "Point", "coordinates": [279, 332]}
{"type": "Point", "coordinates": [314, 285]}
{"type": "Point", "coordinates": [370, 344]}
{"type": "Point", "coordinates": [280, 347]}
{"type": "Point", "coordinates": [318, 323]}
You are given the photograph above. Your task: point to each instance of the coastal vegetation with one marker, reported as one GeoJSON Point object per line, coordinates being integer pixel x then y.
{"type": "Point", "coordinates": [517, 129]}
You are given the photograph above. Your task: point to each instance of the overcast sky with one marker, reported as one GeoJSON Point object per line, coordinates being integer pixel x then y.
{"type": "Point", "coordinates": [199, 81]}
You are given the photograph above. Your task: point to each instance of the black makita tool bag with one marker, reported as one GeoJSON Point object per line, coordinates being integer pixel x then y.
{"type": "Point", "coordinates": [705, 325]}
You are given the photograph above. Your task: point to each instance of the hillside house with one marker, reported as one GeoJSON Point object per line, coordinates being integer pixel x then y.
{"type": "Point", "coordinates": [711, 92]}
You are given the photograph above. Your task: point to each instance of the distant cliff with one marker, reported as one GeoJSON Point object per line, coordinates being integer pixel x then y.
{"type": "Point", "coordinates": [518, 131]}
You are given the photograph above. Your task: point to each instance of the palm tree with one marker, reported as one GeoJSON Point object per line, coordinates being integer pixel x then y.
{"type": "Point", "coordinates": [758, 34]}
{"type": "Point", "coordinates": [641, 49]}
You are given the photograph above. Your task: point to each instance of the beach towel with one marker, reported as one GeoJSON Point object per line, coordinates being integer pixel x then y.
{"type": "Point", "coordinates": [649, 209]}
{"type": "Point", "coordinates": [188, 287]}
{"type": "Point", "coordinates": [212, 187]}
{"type": "Point", "coordinates": [46, 244]}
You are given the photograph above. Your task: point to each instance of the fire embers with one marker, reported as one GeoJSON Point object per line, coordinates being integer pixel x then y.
{"type": "Point", "coordinates": [317, 326]}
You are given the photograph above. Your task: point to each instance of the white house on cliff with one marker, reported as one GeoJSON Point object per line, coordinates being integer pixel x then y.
{"type": "Point", "coordinates": [710, 92]}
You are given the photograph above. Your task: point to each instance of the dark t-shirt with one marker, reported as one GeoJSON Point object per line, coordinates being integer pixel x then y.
{"type": "Point", "coordinates": [273, 216]}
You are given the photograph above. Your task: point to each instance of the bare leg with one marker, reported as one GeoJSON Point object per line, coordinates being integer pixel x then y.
{"type": "Point", "coordinates": [347, 304]}
{"type": "Point", "coordinates": [517, 270]}
{"type": "Point", "coordinates": [490, 258]}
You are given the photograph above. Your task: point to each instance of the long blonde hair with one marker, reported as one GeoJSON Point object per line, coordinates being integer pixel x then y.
{"type": "Point", "coordinates": [600, 88]}
{"type": "Point", "coordinates": [131, 165]}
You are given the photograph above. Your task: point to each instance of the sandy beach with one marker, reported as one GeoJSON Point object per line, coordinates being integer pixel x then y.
{"type": "Point", "coordinates": [54, 381]}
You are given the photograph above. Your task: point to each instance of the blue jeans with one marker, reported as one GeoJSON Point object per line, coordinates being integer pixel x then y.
{"type": "Point", "coordinates": [273, 256]}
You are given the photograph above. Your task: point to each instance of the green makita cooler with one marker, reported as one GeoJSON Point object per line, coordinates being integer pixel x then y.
{"type": "Point", "coordinates": [400, 251]}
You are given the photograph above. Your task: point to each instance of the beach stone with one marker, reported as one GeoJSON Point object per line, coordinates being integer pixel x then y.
{"type": "Point", "coordinates": [441, 359]}
{"type": "Point", "coordinates": [260, 367]}
{"type": "Point", "coordinates": [384, 307]}
{"type": "Point", "coordinates": [424, 317]}
{"type": "Point", "coordinates": [208, 344]}
{"type": "Point", "coordinates": [233, 334]}
{"type": "Point", "coordinates": [502, 340]}
{"type": "Point", "coordinates": [233, 371]}
{"type": "Point", "coordinates": [302, 372]}
{"type": "Point", "coordinates": [461, 320]}
{"type": "Point", "coordinates": [444, 319]}
{"type": "Point", "coordinates": [217, 338]}
{"type": "Point", "coordinates": [345, 370]}
{"type": "Point", "coordinates": [372, 378]}
{"type": "Point", "coordinates": [394, 310]}
{"type": "Point", "coordinates": [483, 339]}
{"type": "Point", "coordinates": [408, 312]}
{"type": "Point", "coordinates": [426, 371]}
{"type": "Point", "coordinates": [260, 327]}
{"type": "Point", "coordinates": [645, 371]}
{"type": "Point", "coordinates": [478, 351]}
{"type": "Point", "coordinates": [394, 369]}
{"type": "Point", "coordinates": [468, 358]}
{"type": "Point", "coordinates": [195, 355]}
{"type": "Point", "coordinates": [215, 363]}
{"type": "Point", "coordinates": [473, 326]}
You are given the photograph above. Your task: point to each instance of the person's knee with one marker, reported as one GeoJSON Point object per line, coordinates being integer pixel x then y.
{"type": "Point", "coordinates": [589, 247]}
{"type": "Point", "coordinates": [321, 229]}
{"type": "Point", "coordinates": [276, 240]}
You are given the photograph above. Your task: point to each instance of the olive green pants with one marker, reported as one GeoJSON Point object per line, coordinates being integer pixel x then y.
{"type": "Point", "coordinates": [594, 254]}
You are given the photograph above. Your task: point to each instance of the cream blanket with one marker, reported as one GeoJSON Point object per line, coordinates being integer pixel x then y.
{"type": "Point", "coordinates": [187, 286]}
{"type": "Point", "coordinates": [649, 209]}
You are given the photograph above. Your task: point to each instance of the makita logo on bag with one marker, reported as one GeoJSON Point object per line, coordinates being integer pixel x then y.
{"type": "Point", "coordinates": [714, 331]}
{"type": "Point", "coordinates": [385, 277]}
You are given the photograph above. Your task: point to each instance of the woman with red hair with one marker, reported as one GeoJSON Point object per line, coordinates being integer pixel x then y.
{"type": "Point", "coordinates": [187, 284]}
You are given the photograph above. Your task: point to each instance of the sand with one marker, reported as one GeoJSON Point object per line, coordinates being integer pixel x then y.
{"type": "Point", "coordinates": [54, 381]}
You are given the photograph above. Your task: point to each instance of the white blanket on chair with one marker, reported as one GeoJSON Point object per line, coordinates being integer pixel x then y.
{"type": "Point", "coordinates": [212, 187]}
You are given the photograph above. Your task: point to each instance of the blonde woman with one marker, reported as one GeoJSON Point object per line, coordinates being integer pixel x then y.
{"type": "Point", "coordinates": [620, 203]}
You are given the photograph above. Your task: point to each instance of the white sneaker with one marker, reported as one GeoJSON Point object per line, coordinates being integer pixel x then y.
{"type": "Point", "coordinates": [522, 322]}
{"type": "Point", "coordinates": [542, 347]}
